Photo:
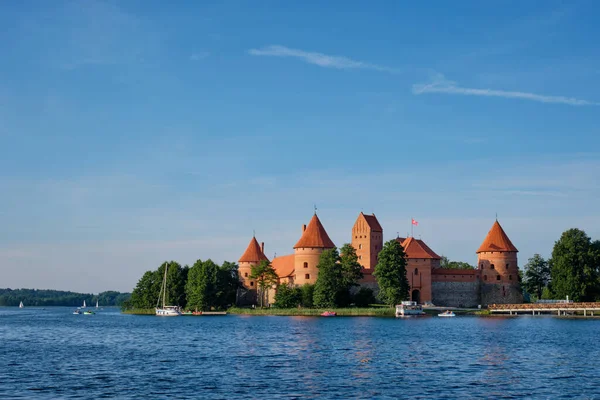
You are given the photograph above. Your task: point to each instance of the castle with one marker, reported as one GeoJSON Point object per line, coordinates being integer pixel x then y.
{"type": "Point", "coordinates": [494, 281]}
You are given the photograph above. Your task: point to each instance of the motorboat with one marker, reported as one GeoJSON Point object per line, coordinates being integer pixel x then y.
{"type": "Point", "coordinates": [409, 309]}
{"type": "Point", "coordinates": [164, 310]}
{"type": "Point", "coordinates": [329, 314]}
{"type": "Point", "coordinates": [88, 312]}
{"type": "Point", "coordinates": [77, 312]}
{"type": "Point", "coordinates": [447, 313]}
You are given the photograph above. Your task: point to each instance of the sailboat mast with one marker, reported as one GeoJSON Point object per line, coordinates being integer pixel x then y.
{"type": "Point", "coordinates": [165, 285]}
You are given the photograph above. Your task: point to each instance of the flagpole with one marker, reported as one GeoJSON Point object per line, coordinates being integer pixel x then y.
{"type": "Point", "coordinates": [411, 227]}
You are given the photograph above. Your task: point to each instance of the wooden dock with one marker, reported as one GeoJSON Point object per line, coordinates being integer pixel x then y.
{"type": "Point", "coordinates": [565, 308]}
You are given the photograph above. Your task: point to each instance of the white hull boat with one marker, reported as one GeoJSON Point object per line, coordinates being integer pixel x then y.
{"type": "Point", "coordinates": [409, 309]}
{"type": "Point", "coordinates": [447, 314]}
{"type": "Point", "coordinates": [165, 311]}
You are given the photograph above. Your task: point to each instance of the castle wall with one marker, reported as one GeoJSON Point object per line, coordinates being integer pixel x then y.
{"type": "Point", "coordinates": [367, 243]}
{"type": "Point", "coordinates": [498, 267]}
{"type": "Point", "coordinates": [244, 271]}
{"type": "Point", "coordinates": [500, 294]}
{"type": "Point", "coordinates": [418, 272]}
{"type": "Point", "coordinates": [448, 293]}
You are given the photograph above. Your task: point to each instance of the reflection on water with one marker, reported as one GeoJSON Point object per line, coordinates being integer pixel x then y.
{"type": "Point", "coordinates": [51, 353]}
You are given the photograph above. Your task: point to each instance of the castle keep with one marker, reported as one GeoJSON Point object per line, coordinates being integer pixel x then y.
{"type": "Point", "coordinates": [494, 281]}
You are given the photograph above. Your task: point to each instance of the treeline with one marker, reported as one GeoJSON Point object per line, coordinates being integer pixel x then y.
{"type": "Point", "coordinates": [204, 286]}
{"type": "Point", "coordinates": [43, 298]}
{"type": "Point", "coordinates": [447, 264]}
{"type": "Point", "coordinates": [573, 270]}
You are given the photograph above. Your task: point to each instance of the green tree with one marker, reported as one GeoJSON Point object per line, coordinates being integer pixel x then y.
{"type": "Point", "coordinates": [574, 267]}
{"type": "Point", "coordinates": [201, 287]}
{"type": "Point", "coordinates": [287, 296]}
{"type": "Point", "coordinates": [364, 297]}
{"type": "Point", "coordinates": [265, 276]}
{"type": "Point", "coordinates": [351, 273]}
{"type": "Point", "coordinates": [330, 280]}
{"type": "Point", "coordinates": [228, 282]}
{"type": "Point", "coordinates": [537, 275]}
{"type": "Point", "coordinates": [390, 272]}
{"type": "Point", "coordinates": [145, 294]}
{"type": "Point", "coordinates": [307, 294]}
{"type": "Point", "coordinates": [447, 264]}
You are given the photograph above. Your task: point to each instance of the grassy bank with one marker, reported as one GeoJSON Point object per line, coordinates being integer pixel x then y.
{"type": "Point", "coordinates": [140, 311]}
{"type": "Point", "coordinates": [355, 312]}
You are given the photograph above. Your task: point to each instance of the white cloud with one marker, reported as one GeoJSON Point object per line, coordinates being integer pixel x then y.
{"type": "Point", "coordinates": [320, 59]}
{"type": "Point", "coordinates": [441, 85]}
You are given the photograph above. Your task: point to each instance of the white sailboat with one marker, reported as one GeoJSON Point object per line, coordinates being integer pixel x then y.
{"type": "Point", "coordinates": [21, 305]}
{"type": "Point", "coordinates": [165, 311]}
{"type": "Point", "coordinates": [83, 306]}
{"type": "Point", "coordinates": [96, 303]}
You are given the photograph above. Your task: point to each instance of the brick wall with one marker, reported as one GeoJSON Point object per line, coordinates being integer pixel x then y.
{"type": "Point", "coordinates": [456, 294]}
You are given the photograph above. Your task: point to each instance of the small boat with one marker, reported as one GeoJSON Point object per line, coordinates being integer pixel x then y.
{"type": "Point", "coordinates": [409, 309]}
{"type": "Point", "coordinates": [77, 312]}
{"type": "Point", "coordinates": [88, 312]}
{"type": "Point", "coordinates": [165, 311]}
{"type": "Point", "coordinates": [21, 305]}
{"type": "Point", "coordinates": [197, 313]}
{"type": "Point", "coordinates": [83, 304]}
{"type": "Point", "coordinates": [329, 314]}
{"type": "Point", "coordinates": [96, 304]}
{"type": "Point", "coordinates": [447, 313]}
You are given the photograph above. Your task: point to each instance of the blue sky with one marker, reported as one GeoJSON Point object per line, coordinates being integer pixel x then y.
{"type": "Point", "coordinates": [135, 132]}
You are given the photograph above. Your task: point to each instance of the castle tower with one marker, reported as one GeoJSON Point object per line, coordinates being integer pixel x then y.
{"type": "Point", "coordinates": [307, 251]}
{"type": "Point", "coordinates": [367, 240]}
{"type": "Point", "coordinates": [498, 269]}
{"type": "Point", "coordinates": [420, 261]}
{"type": "Point", "coordinates": [253, 255]}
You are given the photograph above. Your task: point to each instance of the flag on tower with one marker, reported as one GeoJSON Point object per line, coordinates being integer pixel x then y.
{"type": "Point", "coordinates": [414, 222]}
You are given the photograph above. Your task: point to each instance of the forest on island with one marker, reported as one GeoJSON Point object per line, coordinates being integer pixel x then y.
{"type": "Point", "coordinates": [43, 298]}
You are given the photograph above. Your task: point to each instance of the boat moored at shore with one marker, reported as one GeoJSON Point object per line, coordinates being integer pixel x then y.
{"type": "Point", "coordinates": [409, 309]}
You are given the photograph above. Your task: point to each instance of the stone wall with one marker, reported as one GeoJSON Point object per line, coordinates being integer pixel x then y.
{"type": "Point", "coordinates": [501, 294]}
{"type": "Point", "coordinates": [456, 294]}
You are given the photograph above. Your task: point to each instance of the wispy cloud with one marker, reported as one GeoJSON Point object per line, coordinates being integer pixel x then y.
{"type": "Point", "coordinates": [320, 59]}
{"type": "Point", "coordinates": [439, 84]}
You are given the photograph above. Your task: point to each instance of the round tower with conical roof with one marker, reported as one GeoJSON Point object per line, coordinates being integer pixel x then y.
{"type": "Point", "coordinates": [498, 269]}
{"type": "Point", "coordinates": [253, 255]}
{"type": "Point", "coordinates": [312, 243]}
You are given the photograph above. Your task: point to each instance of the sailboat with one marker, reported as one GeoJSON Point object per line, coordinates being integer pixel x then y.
{"type": "Point", "coordinates": [83, 306]}
{"type": "Point", "coordinates": [165, 311]}
{"type": "Point", "coordinates": [21, 305]}
{"type": "Point", "coordinates": [96, 303]}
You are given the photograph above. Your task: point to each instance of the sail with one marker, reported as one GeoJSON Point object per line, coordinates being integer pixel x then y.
{"type": "Point", "coordinates": [96, 303]}
{"type": "Point", "coordinates": [21, 305]}
{"type": "Point", "coordinates": [83, 304]}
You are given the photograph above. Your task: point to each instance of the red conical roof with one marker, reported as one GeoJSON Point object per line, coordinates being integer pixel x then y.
{"type": "Point", "coordinates": [253, 253]}
{"type": "Point", "coordinates": [315, 236]}
{"type": "Point", "coordinates": [496, 240]}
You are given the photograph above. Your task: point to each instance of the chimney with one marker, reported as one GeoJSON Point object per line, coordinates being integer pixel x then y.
{"type": "Point", "coordinates": [303, 228]}
{"type": "Point", "coordinates": [262, 247]}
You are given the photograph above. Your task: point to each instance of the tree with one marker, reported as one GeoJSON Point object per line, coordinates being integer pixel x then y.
{"type": "Point", "coordinates": [228, 282]}
{"type": "Point", "coordinates": [265, 277]}
{"type": "Point", "coordinates": [390, 272]}
{"type": "Point", "coordinates": [574, 267]}
{"type": "Point", "coordinates": [364, 297]}
{"type": "Point", "coordinates": [330, 279]}
{"type": "Point", "coordinates": [145, 294]}
{"type": "Point", "coordinates": [447, 264]}
{"type": "Point", "coordinates": [307, 294]}
{"type": "Point", "coordinates": [537, 275]}
{"type": "Point", "coordinates": [287, 296]}
{"type": "Point", "coordinates": [201, 287]}
{"type": "Point", "coordinates": [351, 273]}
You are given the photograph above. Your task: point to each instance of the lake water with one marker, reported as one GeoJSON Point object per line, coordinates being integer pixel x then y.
{"type": "Point", "coordinates": [53, 354]}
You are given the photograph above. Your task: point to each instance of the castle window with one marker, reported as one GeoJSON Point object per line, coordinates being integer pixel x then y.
{"type": "Point", "coordinates": [251, 283]}
{"type": "Point", "coordinates": [360, 257]}
{"type": "Point", "coordinates": [485, 277]}
{"type": "Point", "coordinates": [305, 265]}
{"type": "Point", "coordinates": [506, 265]}
{"type": "Point", "coordinates": [497, 277]}
{"type": "Point", "coordinates": [510, 277]}
{"type": "Point", "coordinates": [481, 265]}
{"type": "Point", "coordinates": [355, 237]}
{"type": "Point", "coordinates": [375, 247]}
{"type": "Point", "coordinates": [416, 271]}
{"type": "Point", "coordinates": [360, 246]}
{"type": "Point", "coordinates": [307, 276]}
{"type": "Point", "coordinates": [491, 266]}
{"type": "Point", "coordinates": [245, 274]}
